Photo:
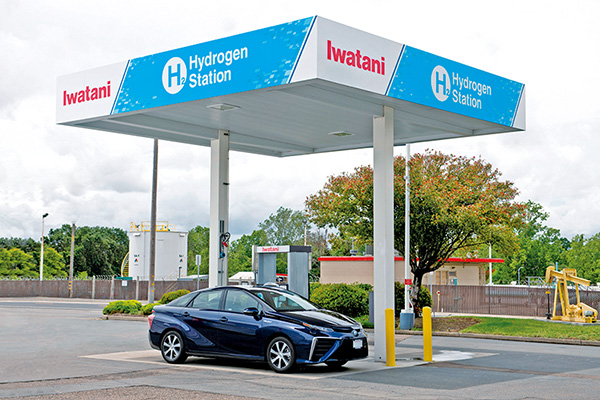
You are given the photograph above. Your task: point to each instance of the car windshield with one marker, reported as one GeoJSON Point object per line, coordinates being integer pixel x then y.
{"type": "Point", "coordinates": [284, 301]}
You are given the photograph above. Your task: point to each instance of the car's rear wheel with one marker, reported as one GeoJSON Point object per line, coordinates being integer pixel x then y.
{"type": "Point", "coordinates": [172, 348]}
{"type": "Point", "coordinates": [281, 355]}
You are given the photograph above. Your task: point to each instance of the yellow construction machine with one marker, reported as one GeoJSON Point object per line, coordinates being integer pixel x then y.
{"type": "Point", "coordinates": [579, 312]}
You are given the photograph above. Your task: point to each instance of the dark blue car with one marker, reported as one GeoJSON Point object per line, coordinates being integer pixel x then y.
{"type": "Point", "coordinates": [255, 323]}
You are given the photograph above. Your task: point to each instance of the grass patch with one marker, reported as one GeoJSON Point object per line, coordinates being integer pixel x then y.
{"type": "Point", "coordinates": [533, 328]}
{"type": "Point", "coordinates": [512, 327]}
{"type": "Point", "coordinates": [447, 324]}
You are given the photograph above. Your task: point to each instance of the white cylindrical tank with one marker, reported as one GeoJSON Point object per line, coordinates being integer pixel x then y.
{"type": "Point", "coordinates": [171, 252]}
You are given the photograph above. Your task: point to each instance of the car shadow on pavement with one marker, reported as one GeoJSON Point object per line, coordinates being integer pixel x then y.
{"type": "Point", "coordinates": [261, 365]}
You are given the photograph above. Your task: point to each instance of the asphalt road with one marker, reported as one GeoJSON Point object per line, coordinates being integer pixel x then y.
{"type": "Point", "coordinates": [61, 349]}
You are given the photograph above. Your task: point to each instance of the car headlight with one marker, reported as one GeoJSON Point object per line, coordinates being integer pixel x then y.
{"type": "Point", "coordinates": [359, 328]}
{"type": "Point", "coordinates": [317, 328]}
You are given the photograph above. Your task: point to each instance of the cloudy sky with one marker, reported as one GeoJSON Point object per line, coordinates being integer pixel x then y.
{"type": "Point", "coordinates": [98, 178]}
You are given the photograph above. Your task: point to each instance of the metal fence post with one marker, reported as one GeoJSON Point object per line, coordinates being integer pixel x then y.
{"type": "Point", "coordinates": [112, 287]}
{"type": "Point", "coordinates": [94, 287]}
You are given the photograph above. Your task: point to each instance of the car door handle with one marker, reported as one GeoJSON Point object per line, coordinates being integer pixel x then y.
{"type": "Point", "coordinates": [223, 319]}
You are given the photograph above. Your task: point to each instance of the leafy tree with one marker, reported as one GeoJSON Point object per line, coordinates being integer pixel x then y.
{"type": "Point", "coordinates": [456, 203]}
{"type": "Point", "coordinates": [54, 265]}
{"type": "Point", "coordinates": [321, 244]}
{"type": "Point", "coordinates": [114, 242]}
{"type": "Point", "coordinates": [240, 253]}
{"type": "Point", "coordinates": [198, 243]}
{"type": "Point", "coordinates": [285, 227]}
{"type": "Point", "coordinates": [341, 246]}
{"type": "Point", "coordinates": [27, 245]}
{"type": "Point", "coordinates": [60, 240]}
{"type": "Point", "coordinates": [15, 262]}
{"type": "Point", "coordinates": [584, 256]}
{"type": "Point", "coordinates": [538, 247]}
{"type": "Point", "coordinates": [98, 250]}
{"type": "Point", "coordinates": [94, 255]}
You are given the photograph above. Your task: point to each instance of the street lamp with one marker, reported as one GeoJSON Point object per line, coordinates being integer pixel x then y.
{"type": "Point", "coordinates": [42, 254]}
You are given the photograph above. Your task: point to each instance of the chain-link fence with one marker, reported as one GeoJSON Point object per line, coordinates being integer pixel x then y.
{"type": "Point", "coordinates": [532, 301]}
{"type": "Point", "coordinates": [97, 287]}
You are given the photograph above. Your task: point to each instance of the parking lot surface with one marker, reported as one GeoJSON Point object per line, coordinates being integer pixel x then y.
{"type": "Point", "coordinates": [62, 349]}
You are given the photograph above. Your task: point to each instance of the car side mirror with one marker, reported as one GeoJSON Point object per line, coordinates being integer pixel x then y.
{"type": "Point", "coordinates": [253, 311]}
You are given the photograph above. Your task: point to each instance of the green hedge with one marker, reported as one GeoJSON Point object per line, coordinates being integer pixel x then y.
{"type": "Point", "coordinates": [135, 307]}
{"type": "Point", "coordinates": [351, 300]}
{"type": "Point", "coordinates": [169, 297]}
{"type": "Point", "coordinates": [123, 307]}
{"type": "Point", "coordinates": [147, 309]}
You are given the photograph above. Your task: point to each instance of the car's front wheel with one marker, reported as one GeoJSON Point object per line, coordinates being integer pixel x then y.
{"type": "Point", "coordinates": [172, 348]}
{"type": "Point", "coordinates": [281, 354]}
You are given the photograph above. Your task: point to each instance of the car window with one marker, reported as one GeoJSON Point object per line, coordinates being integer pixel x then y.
{"type": "Point", "coordinates": [238, 301]}
{"type": "Point", "coordinates": [284, 301]}
{"type": "Point", "coordinates": [208, 300]}
{"type": "Point", "coordinates": [182, 301]}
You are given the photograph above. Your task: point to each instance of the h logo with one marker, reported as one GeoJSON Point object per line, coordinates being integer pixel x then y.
{"type": "Point", "coordinates": [174, 75]}
{"type": "Point", "coordinates": [440, 83]}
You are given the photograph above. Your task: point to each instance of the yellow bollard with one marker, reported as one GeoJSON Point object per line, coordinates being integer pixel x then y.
{"type": "Point", "coordinates": [390, 338]}
{"type": "Point", "coordinates": [427, 346]}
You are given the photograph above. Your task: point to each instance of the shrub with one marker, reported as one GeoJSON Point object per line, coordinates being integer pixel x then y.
{"type": "Point", "coordinates": [147, 309]}
{"type": "Point", "coordinates": [350, 300]}
{"type": "Point", "coordinates": [311, 287]}
{"type": "Point", "coordinates": [424, 298]}
{"type": "Point", "coordinates": [123, 307]}
{"type": "Point", "coordinates": [364, 321]}
{"type": "Point", "coordinates": [170, 296]}
{"type": "Point", "coordinates": [364, 286]}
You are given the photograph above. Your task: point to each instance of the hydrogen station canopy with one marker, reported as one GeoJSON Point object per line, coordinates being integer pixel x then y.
{"type": "Point", "coordinates": [308, 86]}
{"type": "Point", "coordinates": [304, 87]}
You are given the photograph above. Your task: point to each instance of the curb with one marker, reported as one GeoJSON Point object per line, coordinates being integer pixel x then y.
{"type": "Point", "coordinates": [125, 317]}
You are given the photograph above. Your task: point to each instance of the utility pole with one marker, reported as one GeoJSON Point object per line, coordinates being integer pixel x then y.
{"type": "Point", "coordinates": [42, 252]}
{"type": "Point", "coordinates": [71, 262]}
{"type": "Point", "coordinates": [153, 225]}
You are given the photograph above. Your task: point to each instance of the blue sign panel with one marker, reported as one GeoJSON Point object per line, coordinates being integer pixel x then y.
{"type": "Point", "coordinates": [249, 61]}
{"type": "Point", "coordinates": [433, 81]}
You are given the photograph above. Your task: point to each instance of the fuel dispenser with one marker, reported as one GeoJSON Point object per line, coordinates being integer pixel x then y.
{"type": "Point", "coordinates": [298, 263]}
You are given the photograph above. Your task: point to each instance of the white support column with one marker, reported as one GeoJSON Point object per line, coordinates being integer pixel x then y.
{"type": "Point", "coordinates": [407, 304]}
{"type": "Point", "coordinates": [219, 208]}
{"type": "Point", "coordinates": [383, 224]}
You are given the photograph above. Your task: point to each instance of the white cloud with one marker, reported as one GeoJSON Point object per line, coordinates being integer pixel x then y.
{"type": "Point", "coordinates": [99, 178]}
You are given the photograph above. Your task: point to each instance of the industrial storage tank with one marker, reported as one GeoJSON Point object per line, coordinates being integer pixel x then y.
{"type": "Point", "coordinates": [171, 251]}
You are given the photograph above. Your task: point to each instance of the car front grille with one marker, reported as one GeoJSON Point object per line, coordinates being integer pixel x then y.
{"type": "Point", "coordinates": [320, 347]}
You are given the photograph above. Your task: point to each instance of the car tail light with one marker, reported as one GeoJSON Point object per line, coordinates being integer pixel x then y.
{"type": "Point", "coordinates": [150, 319]}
